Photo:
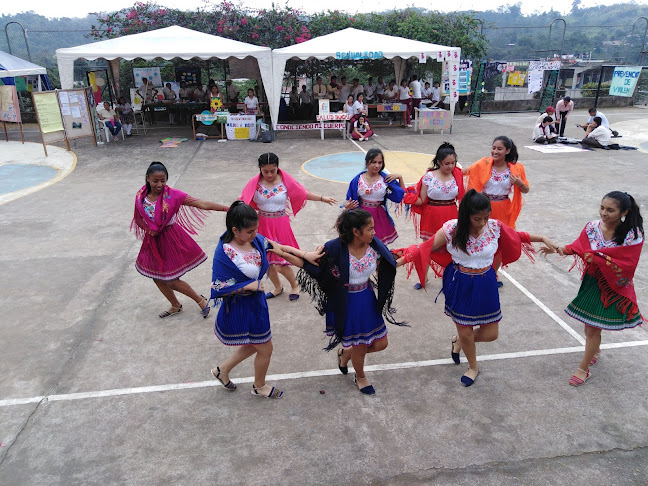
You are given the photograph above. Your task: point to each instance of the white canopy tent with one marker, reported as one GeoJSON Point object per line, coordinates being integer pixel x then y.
{"type": "Point", "coordinates": [367, 45]}
{"type": "Point", "coordinates": [167, 43]}
{"type": "Point", "coordinates": [12, 66]}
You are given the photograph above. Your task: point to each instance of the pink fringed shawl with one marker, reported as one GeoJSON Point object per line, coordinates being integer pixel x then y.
{"type": "Point", "coordinates": [297, 194]}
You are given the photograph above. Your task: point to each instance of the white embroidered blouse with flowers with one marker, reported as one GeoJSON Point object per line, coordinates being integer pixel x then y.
{"type": "Point", "coordinates": [374, 192]}
{"type": "Point", "coordinates": [439, 190]}
{"type": "Point", "coordinates": [248, 262]}
{"type": "Point", "coordinates": [149, 209]}
{"type": "Point", "coordinates": [480, 251]}
{"type": "Point", "coordinates": [598, 242]}
{"type": "Point", "coordinates": [360, 270]}
{"type": "Point", "coordinates": [499, 183]}
{"type": "Point", "coordinates": [271, 200]}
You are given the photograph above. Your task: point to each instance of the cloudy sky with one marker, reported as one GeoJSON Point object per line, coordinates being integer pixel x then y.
{"type": "Point", "coordinates": [77, 8]}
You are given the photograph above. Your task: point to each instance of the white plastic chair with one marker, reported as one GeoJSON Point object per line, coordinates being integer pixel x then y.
{"type": "Point", "coordinates": [107, 134]}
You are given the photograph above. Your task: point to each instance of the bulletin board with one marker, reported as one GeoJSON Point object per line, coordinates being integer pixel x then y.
{"type": "Point", "coordinates": [75, 112]}
{"type": "Point", "coordinates": [10, 109]}
{"type": "Point", "coordinates": [48, 115]}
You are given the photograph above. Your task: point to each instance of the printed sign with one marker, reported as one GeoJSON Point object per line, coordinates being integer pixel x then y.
{"type": "Point", "coordinates": [517, 78]}
{"type": "Point", "coordinates": [49, 112]}
{"type": "Point", "coordinates": [544, 65]}
{"type": "Point", "coordinates": [389, 107]}
{"type": "Point", "coordinates": [624, 80]}
{"type": "Point", "coordinates": [9, 109]}
{"type": "Point", "coordinates": [311, 126]}
{"type": "Point", "coordinates": [535, 80]}
{"type": "Point", "coordinates": [152, 74]}
{"type": "Point", "coordinates": [189, 75]}
{"type": "Point", "coordinates": [324, 107]}
{"type": "Point", "coordinates": [434, 119]}
{"type": "Point", "coordinates": [422, 58]}
{"type": "Point", "coordinates": [352, 56]}
{"type": "Point", "coordinates": [334, 116]}
{"type": "Point", "coordinates": [241, 127]}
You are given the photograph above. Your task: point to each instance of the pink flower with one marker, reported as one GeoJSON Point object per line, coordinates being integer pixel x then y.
{"type": "Point", "coordinates": [244, 21]}
{"type": "Point", "coordinates": [304, 28]}
{"type": "Point", "coordinates": [109, 30]}
{"type": "Point", "coordinates": [280, 28]}
{"type": "Point", "coordinates": [287, 37]}
{"type": "Point", "coordinates": [255, 35]}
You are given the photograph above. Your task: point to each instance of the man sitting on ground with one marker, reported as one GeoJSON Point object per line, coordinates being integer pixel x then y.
{"type": "Point", "coordinates": [605, 123]}
{"type": "Point", "coordinates": [597, 135]}
{"type": "Point", "coordinates": [549, 112]}
{"type": "Point", "coordinates": [542, 133]}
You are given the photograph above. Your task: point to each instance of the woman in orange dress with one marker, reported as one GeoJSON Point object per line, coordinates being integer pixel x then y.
{"type": "Point", "coordinates": [497, 177]}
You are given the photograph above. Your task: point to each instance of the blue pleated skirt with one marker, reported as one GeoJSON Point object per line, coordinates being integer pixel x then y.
{"type": "Point", "coordinates": [243, 319]}
{"type": "Point", "coordinates": [471, 299]}
{"type": "Point", "coordinates": [364, 322]}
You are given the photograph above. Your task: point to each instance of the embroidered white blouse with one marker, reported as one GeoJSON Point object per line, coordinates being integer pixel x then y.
{"type": "Point", "coordinates": [598, 242]}
{"type": "Point", "coordinates": [361, 270]}
{"type": "Point", "coordinates": [480, 251]}
{"type": "Point", "coordinates": [273, 199]}
{"type": "Point", "coordinates": [248, 262]}
{"type": "Point", "coordinates": [499, 183]}
{"type": "Point", "coordinates": [149, 209]}
{"type": "Point", "coordinates": [439, 190]}
{"type": "Point", "coordinates": [374, 192]}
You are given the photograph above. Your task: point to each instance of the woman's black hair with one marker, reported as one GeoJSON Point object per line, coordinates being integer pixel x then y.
{"type": "Point", "coordinates": [632, 220]}
{"type": "Point", "coordinates": [547, 119]}
{"type": "Point", "coordinates": [512, 156]}
{"type": "Point", "coordinates": [239, 216]}
{"type": "Point", "coordinates": [155, 167]}
{"type": "Point", "coordinates": [472, 203]}
{"type": "Point", "coordinates": [268, 159]}
{"type": "Point", "coordinates": [358, 96]}
{"type": "Point", "coordinates": [442, 152]}
{"type": "Point", "coordinates": [372, 153]}
{"type": "Point", "coordinates": [348, 221]}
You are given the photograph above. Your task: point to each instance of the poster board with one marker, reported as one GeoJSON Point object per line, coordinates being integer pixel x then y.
{"type": "Point", "coordinates": [48, 115]}
{"type": "Point", "coordinates": [241, 127]}
{"type": "Point", "coordinates": [9, 108]}
{"type": "Point", "coordinates": [78, 121]}
{"type": "Point", "coordinates": [151, 73]}
{"type": "Point", "coordinates": [624, 80]}
{"type": "Point", "coordinates": [431, 119]}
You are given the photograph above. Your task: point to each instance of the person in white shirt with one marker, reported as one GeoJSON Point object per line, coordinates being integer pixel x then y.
{"type": "Point", "coordinates": [597, 136]}
{"type": "Point", "coordinates": [380, 89]}
{"type": "Point", "coordinates": [391, 92]}
{"type": "Point", "coordinates": [306, 103]}
{"type": "Point", "coordinates": [594, 112]}
{"type": "Point", "coordinates": [542, 133]}
{"type": "Point", "coordinates": [426, 93]}
{"type": "Point", "coordinates": [108, 116]}
{"type": "Point", "coordinates": [251, 103]}
{"type": "Point", "coordinates": [357, 88]}
{"type": "Point", "coordinates": [147, 91]}
{"type": "Point", "coordinates": [436, 94]}
{"type": "Point", "coordinates": [170, 97]}
{"type": "Point", "coordinates": [549, 112]}
{"type": "Point", "coordinates": [405, 99]}
{"type": "Point", "coordinates": [369, 91]}
{"type": "Point", "coordinates": [415, 86]}
{"type": "Point", "coordinates": [319, 90]}
{"type": "Point", "coordinates": [359, 108]}
{"type": "Point", "coordinates": [344, 89]}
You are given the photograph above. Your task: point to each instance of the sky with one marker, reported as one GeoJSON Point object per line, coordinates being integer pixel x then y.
{"type": "Point", "coordinates": [77, 8]}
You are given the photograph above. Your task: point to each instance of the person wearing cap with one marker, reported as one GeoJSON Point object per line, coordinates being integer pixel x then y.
{"type": "Point", "coordinates": [564, 107]}
{"type": "Point", "coordinates": [232, 91]}
{"type": "Point", "coordinates": [549, 112]}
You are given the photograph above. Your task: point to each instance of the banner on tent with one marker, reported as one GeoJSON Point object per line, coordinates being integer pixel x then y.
{"type": "Point", "coordinates": [9, 109]}
{"type": "Point", "coordinates": [352, 56]}
{"type": "Point", "coordinates": [310, 126]}
{"type": "Point", "coordinates": [151, 73]}
{"type": "Point", "coordinates": [334, 116]}
{"type": "Point", "coordinates": [624, 80]}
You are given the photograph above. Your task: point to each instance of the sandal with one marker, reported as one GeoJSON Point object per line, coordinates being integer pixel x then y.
{"type": "Point", "coordinates": [274, 393]}
{"type": "Point", "coordinates": [595, 358]}
{"type": "Point", "coordinates": [467, 380]}
{"type": "Point", "coordinates": [453, 355]}
{"type": "Point", "coordinates": [229, 385]}
{"type": "Point", "coordinates": [367, 390]}
{"type": "Point", "coordinates": [576, 381]}
{"type": "Point", "coordinates": [343, 369]}
{"type": "Point", "coordinates": [167, 313]}
{"type": "Point", "coordinates": [270, 295]}
{"type": "Point", "coordinates": [205, 310]}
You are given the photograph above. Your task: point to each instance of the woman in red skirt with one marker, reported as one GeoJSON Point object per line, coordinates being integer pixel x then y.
{"type": "Point", "coordinates": [163, 219]}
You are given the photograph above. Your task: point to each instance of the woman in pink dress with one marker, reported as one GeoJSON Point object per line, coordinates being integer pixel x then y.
{"type": "Point", "coordinates": [164, 218]}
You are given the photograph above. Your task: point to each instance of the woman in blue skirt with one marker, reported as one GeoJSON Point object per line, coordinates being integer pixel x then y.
{"type": "Point", "coordinates": [469, 283]}
{"type": "Point", "coordinates": [240, 262]}
{"type": "Point", "coordinates": [339, 283]}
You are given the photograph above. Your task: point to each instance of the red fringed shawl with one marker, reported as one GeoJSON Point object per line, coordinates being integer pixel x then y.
{"type": "Point", "coordinates": [511, 244]}
{"type": "Point", "coordinates": [613, 268]}
{"type": "Point", "coordinates": [413, 193]}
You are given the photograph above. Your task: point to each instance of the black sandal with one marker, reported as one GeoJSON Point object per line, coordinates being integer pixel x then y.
{"type": "Point", "coordinates": [343, 369]}
{"type": "Point", "coordinates": [453, 355]}
{"type": "Point", "coordinates": [229, 385]}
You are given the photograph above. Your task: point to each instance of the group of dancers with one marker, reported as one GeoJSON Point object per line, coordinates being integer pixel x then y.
{"type": "Point", "coordinates": [468, 232]}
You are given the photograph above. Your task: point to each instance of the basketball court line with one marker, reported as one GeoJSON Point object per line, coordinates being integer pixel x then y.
{"type": "Point", "coordinates": [304, 374]}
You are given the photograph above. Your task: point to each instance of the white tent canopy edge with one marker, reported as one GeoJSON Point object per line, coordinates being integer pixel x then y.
{"type": "Point", "coordinates": [396, 48]}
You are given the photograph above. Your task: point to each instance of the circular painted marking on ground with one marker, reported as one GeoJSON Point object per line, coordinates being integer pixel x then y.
{"type": "Point", "coordinates": [25, 169]}
{"type": "Point", "coordinates": [344, 166]}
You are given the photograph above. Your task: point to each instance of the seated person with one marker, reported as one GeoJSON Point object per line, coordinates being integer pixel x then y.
{"type": "Point", "coordinates": [391, 92]}
{"type": "Point", "coordinates": [251, 103]}
{"type": "Point", "coordinates": [359, 107]}
{"type": "Point", "coordinates": [349, 106]}
{"type": "Point", "coordinates": [436, 95]}
{"type": "Point", "coordinates": [549, 112]}
{"type": "Point", "coordinates": [126, 115]}
{"type": "Point", "coordinates": [185, 92]}
{"type": "Point", "coordinates": [605, 123]}
{"type": "Point", "coordinates": [542, 133]}
{"type": "Point", "coordinates": [199, 94]}
{"type": "Point", "coordinates": [361, 129]}
{"type": "Point", "coordinates": [426, 93]}
{"type": "Point", "coordinates": [109, 118]}
{"type": "Point", "coordinates": [597, 135]}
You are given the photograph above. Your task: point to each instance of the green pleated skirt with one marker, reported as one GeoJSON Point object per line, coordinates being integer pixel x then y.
{"type": "Point", "coordinates": [588, 308]}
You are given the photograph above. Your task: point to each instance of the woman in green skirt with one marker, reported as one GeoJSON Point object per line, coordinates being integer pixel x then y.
{"type": "Point", "coordinates": [608, 252]}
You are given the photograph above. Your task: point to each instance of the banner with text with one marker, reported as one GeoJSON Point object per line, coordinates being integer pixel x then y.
{"type": "Point", "coordinates": [624, 80]}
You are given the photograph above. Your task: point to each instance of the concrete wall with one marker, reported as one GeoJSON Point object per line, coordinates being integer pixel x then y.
{"type": "Point", "coordinates": [532, 105]}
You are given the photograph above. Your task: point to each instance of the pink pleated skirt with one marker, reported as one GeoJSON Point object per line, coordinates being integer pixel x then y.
{"type": "Point", "coordinates": [385, 230]}
{"type": "Point", "coordinates": [169, 255]}
{"type": "Point", "coordinates": [276, 227]}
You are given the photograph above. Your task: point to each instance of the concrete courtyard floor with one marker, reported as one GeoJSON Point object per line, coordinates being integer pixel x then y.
{"type": "Point", "coordinates": [95, 388]}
